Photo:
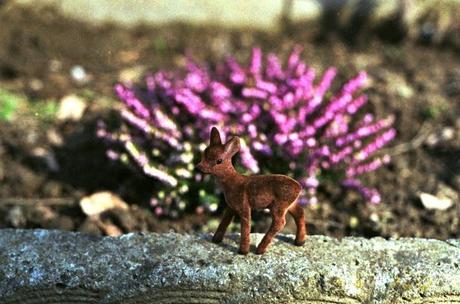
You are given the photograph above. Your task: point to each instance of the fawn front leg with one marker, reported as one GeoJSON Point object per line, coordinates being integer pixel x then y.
{"type": "Point", "coordinates": [245, 217]}
{"type": "Point", "coordinates": [226, 220]}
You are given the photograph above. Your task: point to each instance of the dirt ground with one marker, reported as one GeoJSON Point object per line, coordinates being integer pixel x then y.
{"type": "Point", "coordinates": [419, 83]}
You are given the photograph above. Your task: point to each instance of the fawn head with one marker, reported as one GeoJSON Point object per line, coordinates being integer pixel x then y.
{"type": "Point", "coordinates": [217, 157]}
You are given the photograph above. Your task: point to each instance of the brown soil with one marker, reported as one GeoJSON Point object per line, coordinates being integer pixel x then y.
{"type": "Point", "coordinates": [420, 84]}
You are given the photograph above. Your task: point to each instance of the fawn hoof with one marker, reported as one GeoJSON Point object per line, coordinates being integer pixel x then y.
{"type": "Point", "coordinates": [243, 251]}
{"type": "Point", "coordinates": [260, 250]}
{"type": "Point", "coordinates": [216, 240]}
{"type": "Point", "coordinates": [299, 242]}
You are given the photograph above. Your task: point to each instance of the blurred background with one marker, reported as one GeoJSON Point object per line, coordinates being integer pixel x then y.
{"type": "Point", "coordinates": [60, 60]}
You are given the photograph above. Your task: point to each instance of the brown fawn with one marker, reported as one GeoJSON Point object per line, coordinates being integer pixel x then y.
{"type": "Point", "coordinates": [278, 193]}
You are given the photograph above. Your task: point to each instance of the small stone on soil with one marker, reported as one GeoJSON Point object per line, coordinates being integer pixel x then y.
{"type": "Point", "coordinates": [71, 107]}
{"type": "Point", "coordinates": [79, 74]}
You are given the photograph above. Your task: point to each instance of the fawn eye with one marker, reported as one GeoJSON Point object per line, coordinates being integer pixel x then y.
{"type": "Point", "coordinates": [219, 161]}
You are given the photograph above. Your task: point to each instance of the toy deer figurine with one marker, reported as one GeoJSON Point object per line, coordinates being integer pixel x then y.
{"type": "Point", "coordinates": [278, 193]}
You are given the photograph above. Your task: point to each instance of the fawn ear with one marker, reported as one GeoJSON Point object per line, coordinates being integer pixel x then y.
{"type": "Point", "coordinates": [215, 137]}
{"type": "Point", "coordinates": [232, 146]}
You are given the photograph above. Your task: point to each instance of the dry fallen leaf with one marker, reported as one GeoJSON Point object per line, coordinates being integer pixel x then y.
{"type": "Point", "coordinates": [99, 202]}
{"type": "Point", "coordinates": [432, 202]}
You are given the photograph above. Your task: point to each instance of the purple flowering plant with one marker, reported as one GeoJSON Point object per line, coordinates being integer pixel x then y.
{"type": "Point", "coordinates": [286, 116]}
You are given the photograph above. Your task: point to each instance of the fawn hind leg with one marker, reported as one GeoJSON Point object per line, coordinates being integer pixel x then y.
{"type": "Point", "coordinates": [299, 217]}
{"type": "Point", "coordinates": [226, 220]}
{"type": "Point", "coordinates": [278, 222]}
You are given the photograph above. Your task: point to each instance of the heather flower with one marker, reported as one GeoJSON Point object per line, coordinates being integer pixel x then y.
{"type": "Point", "coordinates": [279, 110]}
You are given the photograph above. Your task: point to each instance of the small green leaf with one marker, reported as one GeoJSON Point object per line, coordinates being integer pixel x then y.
{"type": "Point", "coordinates": [431, 112]}
{"type": "Point", "coordinates": [8, 104]}
{"type": "Point", "coordinates": [44, 109]}
{"type": "Point", "coordinates": [159, 43]}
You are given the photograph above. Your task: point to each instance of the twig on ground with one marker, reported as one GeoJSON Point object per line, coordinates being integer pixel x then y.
{"type": "Point", "coordinates": [416, 142]}
{"type": "Point", "coordinates": [62, 201]}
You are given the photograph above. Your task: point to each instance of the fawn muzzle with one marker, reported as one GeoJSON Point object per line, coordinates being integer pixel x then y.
{"type": "Point", "coordinates": [203, 168]}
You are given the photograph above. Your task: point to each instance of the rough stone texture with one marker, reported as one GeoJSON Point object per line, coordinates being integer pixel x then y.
{"type": "Point", "coordinates": [259, 14]}
{"type": "Point", "coordinates": [41, 266]}
{"type": "Point", "coordinates": [235, 13]}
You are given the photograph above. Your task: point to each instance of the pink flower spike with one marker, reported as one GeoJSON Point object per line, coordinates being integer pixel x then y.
{"type": "Point", "coordinates": [355, 83]}
{"type": "Point", "coordinates": [238, 77]}
{"type": "Point", "coordinates": [375, 198]}
{"type": "Point", "coordinates": [254, 93]}
{"type": "Point", "coordinates": [136, 121]}
{"type": "Point", "coordinates": [313, 200]}
{"type": "Point", "coordinates": [340, 155]}
{"type": "Point", "coordinates": [266, 86]}
{"type": "Point", "coordinates": [281, 139]}
{"type": "Point", "coordinates": [311, 182]}
{"type": "Point", "coordinates": [252, 130]}
{"type": "Point", "coordinates": [131, 101]}
{"type": "Point", "coordinates": [256, 61]}
{"type": "Point", "coordinates": [237, 74]}
{"type": "Point", "coordinates": [376, 144]}
{"type": "Point", "coordinates": [367, 167]}
{"type": "Point", "coordinates": [196, 82]}
{"type": "Point", "coordinates": [368, 118]}
{"type": "Point", "coordinates": [248, 160]}
{"type": "Point", "coordinates": [150, 81]}
{"type": "Point", "coordinates": [273, 70]}
{"type": "Point", "coordinates": [111, 154]}
{"type": "Point", "coordinates": [276, 102]}
{"type": "Point", "coordinates": [258, 146]}
{"type": "Point", "coordinates": [311, 142]}
{"type": "Point", "coordinates": [325, 83]}
{"type": "Point", "coordinates": [365, 131]}
{"type": "Point", "coordinates": [371, 195]}
{"type": "Point", "coordinates": [288, 100]}
{"type": "Point", "coordinates": [356, 104]}
{"type": "Point", "coordinates": [300, 69]}
{"type": "Point", "coordinates": [219, 91]}
{"type": "Point", "coordinates": [294, 58]}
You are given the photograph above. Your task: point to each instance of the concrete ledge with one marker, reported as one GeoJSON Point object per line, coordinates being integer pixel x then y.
{"type": "Point", "coordinates": [266, 14]}
{"type": "Point", "coordinates": [40, 266]}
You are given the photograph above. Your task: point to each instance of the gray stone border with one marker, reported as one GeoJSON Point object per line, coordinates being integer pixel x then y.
{"type": "Point", "coordinates": [265, 14]}
{"type": "Point", "coordinates": [47, 266]}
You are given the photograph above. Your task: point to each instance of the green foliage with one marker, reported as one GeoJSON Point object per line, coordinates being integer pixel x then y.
{"type": "Point", "coordinates": [433, 112]}
{"type": "Point", "coordinates": [88, 94]}
{"type": "Point", "coordinates": [159, 44]}
{"type": "Point", "coordinates": [8, 104]}
{"type": "Point", "coordinates": [45, 110]}
{"type": "Point", "coordinates": [11, 104]}
{"type": "Point", "coordinates": [208, 199]}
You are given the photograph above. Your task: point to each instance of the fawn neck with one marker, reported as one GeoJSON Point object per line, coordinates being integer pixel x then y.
{"type": "Point", "coordinates": [229, 178]}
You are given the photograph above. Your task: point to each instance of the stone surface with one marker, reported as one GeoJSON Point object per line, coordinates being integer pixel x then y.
{"type": "Point", "coordinates": [41, 266]}
{"type": "Point", "coordinates": [237, 13]}
{"type": "Point", "coordinates": [266, 14]}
